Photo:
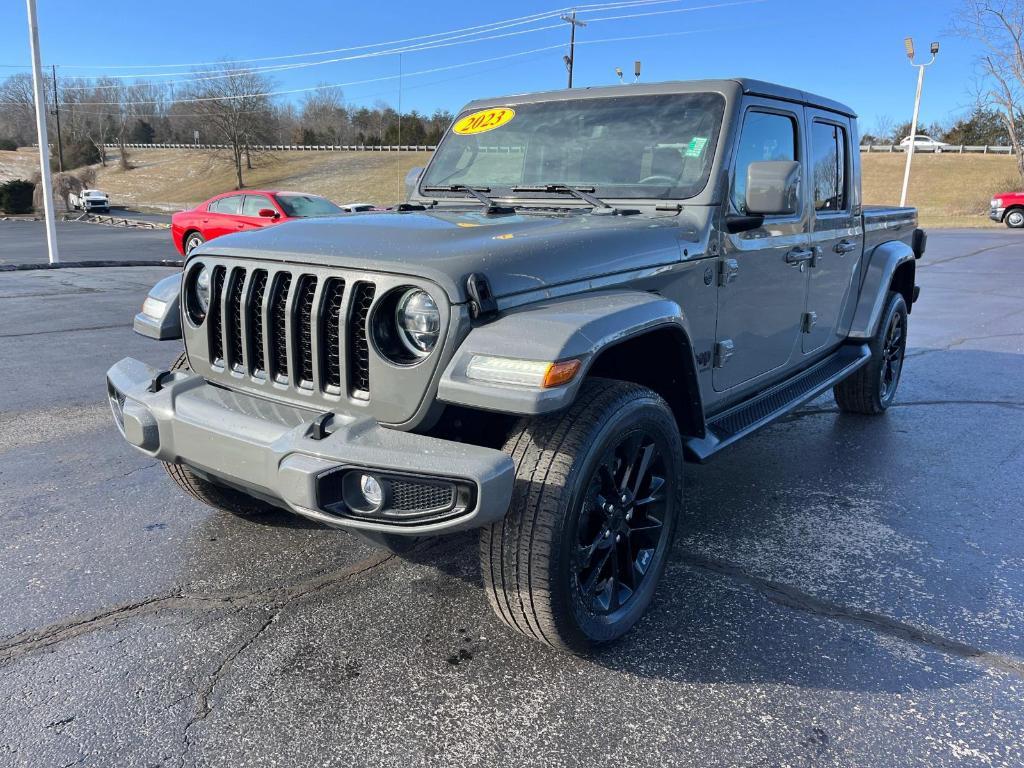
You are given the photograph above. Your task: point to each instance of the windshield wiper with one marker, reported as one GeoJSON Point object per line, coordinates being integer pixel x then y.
{"type": "Point", "coordinates": [577, 192]}
{"type": "Point", "coordinates": [477, 192]}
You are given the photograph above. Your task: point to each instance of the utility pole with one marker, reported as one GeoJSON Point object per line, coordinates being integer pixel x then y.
{"type": "Point", "coordinates": [44, 144]}
{"type": "Point", "coordinates": [56, 111]}
{"type": "Point", "coordinates": [571, 58]}
{"type": "Point", "coordinates": [908, 43]}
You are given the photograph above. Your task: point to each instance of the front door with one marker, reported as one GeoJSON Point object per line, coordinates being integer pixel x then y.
{"type": "Point", "coordinates": [836, 230]}
{"type": "Point", "coordinates": [762, 278]}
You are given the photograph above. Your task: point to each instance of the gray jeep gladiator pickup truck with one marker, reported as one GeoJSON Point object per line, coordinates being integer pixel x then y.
{"type": "Point", "coordinates": [584, 289]}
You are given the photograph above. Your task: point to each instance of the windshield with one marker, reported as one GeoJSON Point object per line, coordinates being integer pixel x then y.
{"type": "Point", "coordinates": [621, 147]}
{"type": "Point", "coordinates": [305, 206]}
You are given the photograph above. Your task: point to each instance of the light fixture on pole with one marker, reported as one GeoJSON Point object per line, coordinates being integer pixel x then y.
{"type": "Point", "coordinates": [908, 44]}
{"type": "Point", "coordinates": [636, 71]}
{"type": "Point", "coordinates": [39, 94]}
{"type": "Point", "coordinates": [571, 58]}
{"type": "Point", "coordinates": [618, 74]}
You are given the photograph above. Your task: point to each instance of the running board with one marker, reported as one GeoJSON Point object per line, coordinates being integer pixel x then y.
{"type": "Point", "coordinates": [726, 428]}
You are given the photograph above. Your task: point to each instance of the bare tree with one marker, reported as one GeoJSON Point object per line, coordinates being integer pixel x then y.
{"type": "Point", "coordinates": [883, 128]}
{"type": "Point", "coordinates": [999, 28]}
{"type": "Point", "coordinates": [231, 102]}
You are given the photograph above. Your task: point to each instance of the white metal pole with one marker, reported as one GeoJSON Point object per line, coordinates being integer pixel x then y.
{"type": "Point", "coordinates": [44, 143]}
{"type": "Point", "coordinates": [913, 133]}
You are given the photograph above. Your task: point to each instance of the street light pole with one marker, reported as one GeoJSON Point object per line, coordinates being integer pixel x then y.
{"type": "Point", "coordinates": [44, 144]}
{"type": "Point", "coordinates": [571, 58]}
{"type": "Point", "coordinates": [908, 43]}
{"type": "Point", "coordinates": [56, 112]}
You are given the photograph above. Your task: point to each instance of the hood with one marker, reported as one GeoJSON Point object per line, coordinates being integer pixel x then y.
{"type": "Point", "coordinates": [517, 252]}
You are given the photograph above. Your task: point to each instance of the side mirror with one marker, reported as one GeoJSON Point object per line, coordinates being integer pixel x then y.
{"type": "Point", "coordinates": [773, 188]}
{"type": "Point", "coordinates": [269, 213]}
{"type": "Point", "coordinates": [411, 179]}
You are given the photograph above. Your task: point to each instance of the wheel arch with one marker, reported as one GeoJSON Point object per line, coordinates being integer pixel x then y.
{"type": "Point", "coordinates": [630, 336]}
{"type": "Point", "coordinates": [891, 265]}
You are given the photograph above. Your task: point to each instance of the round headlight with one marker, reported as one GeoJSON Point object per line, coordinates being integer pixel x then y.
{"type": "Point", "coordinates": [419, 321]}
{"type": "Point", "coordinates": [203, 289]}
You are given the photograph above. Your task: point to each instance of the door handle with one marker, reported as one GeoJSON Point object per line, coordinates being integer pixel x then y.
{"type": "Point", "coordinates": [799, 255]}
{"type": "Point", "coordinates": [845, 246]}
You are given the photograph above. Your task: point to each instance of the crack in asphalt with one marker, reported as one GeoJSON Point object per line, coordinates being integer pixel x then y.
{"type": "Point", "coordinates": [63, 330]}
{"type": "Point", "coordinates": [958, 342]}
{"type": "Point", "coordinates": [795, 598]}
{"type": "Point", "coordinates": [25, 643]}
{"type": "Point", "coordinates": [967, 255]}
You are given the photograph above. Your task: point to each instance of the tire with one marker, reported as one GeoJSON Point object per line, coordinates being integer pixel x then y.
{"type": "Point", "coordinates": [213, 495]}
{"type": "Point", "coordinates": [550, 566]}
{"type": "Point", "coordinates": [1014, 218]}
{"type": "Point", "coordinates": [872, 388]}
{"type": "Point", "coordinates": [192, 241]}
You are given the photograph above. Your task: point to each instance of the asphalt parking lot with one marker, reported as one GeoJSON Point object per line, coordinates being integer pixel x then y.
{"type": "Point", "coordinates": [844, 590]}
{"type": "Point", "coordinates": [24, 242]}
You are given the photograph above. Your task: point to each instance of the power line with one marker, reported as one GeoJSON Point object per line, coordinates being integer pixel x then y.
{"type": "Point", "coordinates": [385, 78]}
{"type": "Point", "coordinates": [443, 43]}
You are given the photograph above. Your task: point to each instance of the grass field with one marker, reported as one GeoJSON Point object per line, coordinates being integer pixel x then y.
{"type": "Point", "coordinates": [949, 190]}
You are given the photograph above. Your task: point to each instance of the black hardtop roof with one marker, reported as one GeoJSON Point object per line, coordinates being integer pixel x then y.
{"type": "Point", "coordinates": [733, 87]}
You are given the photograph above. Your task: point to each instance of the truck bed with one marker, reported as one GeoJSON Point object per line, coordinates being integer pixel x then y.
{"type": "Point", "coordinates": [888, 222]}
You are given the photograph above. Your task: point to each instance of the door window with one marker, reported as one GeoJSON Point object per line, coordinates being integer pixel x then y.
{"type": "Point", "coordinates": [253, 204]}
{"type": "Point", "coordinates": [230, 204]}
{"type": "Point", "coordinates": [828, 167]}
{"type": "Point", "coordinates": [765, 136]}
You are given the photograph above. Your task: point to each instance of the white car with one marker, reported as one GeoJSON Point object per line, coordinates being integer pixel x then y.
{"type": "Point", "coordinates": [89, 200]}
{"type": "Point", "coordinates": [922, 143]}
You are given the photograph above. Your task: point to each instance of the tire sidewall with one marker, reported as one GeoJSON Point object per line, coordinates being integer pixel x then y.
{"type": "Point", "coordinates": [589, 630]}
{"type": "Point", "coordinates": [1015, 219]}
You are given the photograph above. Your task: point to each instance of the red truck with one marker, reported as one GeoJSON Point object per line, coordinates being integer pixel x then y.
{"type": "Point", "coordinates": [1008, 207]}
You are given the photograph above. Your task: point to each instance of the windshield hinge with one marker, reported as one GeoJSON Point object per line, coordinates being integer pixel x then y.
{"type": "Point", "coordinates": [482, 304]}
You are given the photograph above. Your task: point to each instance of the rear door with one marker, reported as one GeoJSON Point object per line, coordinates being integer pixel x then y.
{"type": "Point", "coordinates": [223, 216]}
{"type": "Point", "coordinates": [837, 234]}
{"type": "Point", "coordinates": [762, 282]}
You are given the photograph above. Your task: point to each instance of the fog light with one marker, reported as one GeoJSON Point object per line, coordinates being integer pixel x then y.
{"type": "Point", "coordinates": [154, 307]}
{"type": "Point", "coordinates": [372, 491]}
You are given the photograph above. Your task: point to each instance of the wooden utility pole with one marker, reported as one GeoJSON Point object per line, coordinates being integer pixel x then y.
{"type": "Point", "coordinates": [571, 58]}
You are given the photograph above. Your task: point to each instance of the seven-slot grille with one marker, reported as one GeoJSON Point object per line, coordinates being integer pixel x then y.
{"type": "Point", "coordinates": [262, 310]}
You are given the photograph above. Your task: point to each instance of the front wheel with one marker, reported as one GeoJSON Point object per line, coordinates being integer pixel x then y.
{"type": "Point", "coordinates": [576, 561]}
{"type": "Point", "coordinates": [1015, 218]}
{"type": "Point", "coordinates": [872, 387]}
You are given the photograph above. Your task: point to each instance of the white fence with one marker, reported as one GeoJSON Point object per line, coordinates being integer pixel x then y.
{"type": "Point", "coordinates": [953, 149]}
{"type": "Point", "coordinates": [290, 147]}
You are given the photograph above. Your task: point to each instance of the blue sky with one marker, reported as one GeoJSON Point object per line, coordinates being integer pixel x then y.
{"type": "Point", "coordinates": [851, 51]}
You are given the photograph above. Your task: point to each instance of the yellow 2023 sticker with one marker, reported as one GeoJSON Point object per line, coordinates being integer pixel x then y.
{"type": "Point", "coordinates": [484, 120]}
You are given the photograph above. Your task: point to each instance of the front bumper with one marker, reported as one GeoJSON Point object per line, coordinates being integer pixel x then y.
{"type": "Point", "coordinates": [271, 451]}
{"type": "Point", "coordinates": [996, 214]}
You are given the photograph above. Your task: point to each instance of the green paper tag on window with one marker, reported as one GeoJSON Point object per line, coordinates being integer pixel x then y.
{"type": "Point", "coordinates": [696, 146]}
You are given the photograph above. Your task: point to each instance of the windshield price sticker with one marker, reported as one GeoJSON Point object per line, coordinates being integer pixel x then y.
{"type": "Point", "coordinates": [484, 120]}
{"type": "Point", "coordinates": [696, 146]}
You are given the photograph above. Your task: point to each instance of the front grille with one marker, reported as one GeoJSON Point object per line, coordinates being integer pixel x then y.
{"type": "Point", "coordinates": [310, 332]}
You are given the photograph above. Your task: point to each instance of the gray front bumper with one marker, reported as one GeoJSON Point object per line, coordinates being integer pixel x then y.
{"type": "Point", "coordinates": [996, 214]}
{"type": "Point", "coordinates": [265, 448]}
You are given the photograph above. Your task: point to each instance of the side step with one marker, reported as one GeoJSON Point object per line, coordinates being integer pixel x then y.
{"type": "Point", "coordinates": [726, 428]}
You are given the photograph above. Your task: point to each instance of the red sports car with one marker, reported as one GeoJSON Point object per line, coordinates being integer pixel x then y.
{"type": "Point", "coordinates": [239, 211]}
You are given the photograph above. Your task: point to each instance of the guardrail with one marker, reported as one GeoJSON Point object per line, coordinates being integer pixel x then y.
{"type": "Point", "coordinates": [116, 221]}
{"type": "Point", "coordinates": [953, 149]}
{"type": "Point", "coordinates": [293, 147]}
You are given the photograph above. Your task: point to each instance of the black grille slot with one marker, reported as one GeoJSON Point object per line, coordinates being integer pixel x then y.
{"type": "Point", "coordinates": [279, 327]}
{"type": "Point", "coordinates": [216, 318]}
{"type": "Point", "coordinates": [330, 332]}
{"type": "Point", "coordinates": [304, 314]}
{"type": "Point", "coordinates": [234, 318]}
{"type": "Point", "coordinates": [359, 349]}
{"type": "Point", "coordinates": [409, 496]}
{"type": "Point", "coordinates": [254, 318]}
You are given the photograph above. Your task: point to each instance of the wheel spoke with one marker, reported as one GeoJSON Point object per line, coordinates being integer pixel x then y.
{"type": "Point", "coordinates": [594, 578]}
{"type": "Point", "coordinates": [646, 454]}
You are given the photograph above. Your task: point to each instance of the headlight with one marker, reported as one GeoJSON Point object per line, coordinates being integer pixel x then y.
{"type": "Point", "coordinates": [997, 202]}
{"type": "Point", "coordinates": [419, 321]}
{"type": "Point", "coordinates": [203, 289]}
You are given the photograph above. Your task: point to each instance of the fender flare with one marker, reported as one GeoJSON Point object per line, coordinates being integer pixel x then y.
{"type": "Point", "coordinates": [580, 327]}
{"type": "Point", "coordinates": [881, 267]}
{"type": "Point", "coordinates": [164, 323]}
